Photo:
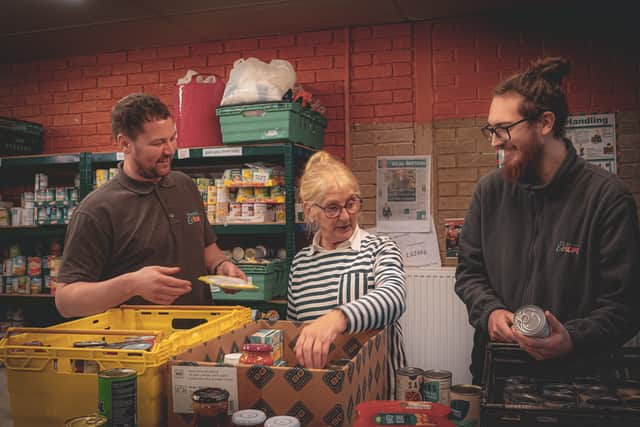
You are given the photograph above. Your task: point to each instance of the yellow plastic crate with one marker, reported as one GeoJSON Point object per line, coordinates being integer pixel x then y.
{"type": "Point", "coordinates": [44, 389]}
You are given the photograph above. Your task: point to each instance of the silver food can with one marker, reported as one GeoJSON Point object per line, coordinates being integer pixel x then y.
{"type": "Point", "coordinates": [16, 217]}
{"type": "Point", "coordinates": [41, 182]}
{"type": "Point", "coordinates": [28, 216]}
{"type": "Point", "coordinates": [465, 404]}
{"type": "Point", "coordinates": [408, 384]}
{"type": "Point", "coordinates": [435, 386]}
{"type": "Point", "coordinates": [530, 321]}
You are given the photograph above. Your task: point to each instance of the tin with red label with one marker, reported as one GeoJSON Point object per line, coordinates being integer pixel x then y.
{"type": "Point", "coordinates": [409, 383]}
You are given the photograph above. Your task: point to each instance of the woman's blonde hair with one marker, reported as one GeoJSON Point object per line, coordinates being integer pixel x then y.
{"type": "Point", "coordinates": [324, 173]}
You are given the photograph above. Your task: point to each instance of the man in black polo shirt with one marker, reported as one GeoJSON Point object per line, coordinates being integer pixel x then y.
{"type": "Point", "coordinates": [143, 237]}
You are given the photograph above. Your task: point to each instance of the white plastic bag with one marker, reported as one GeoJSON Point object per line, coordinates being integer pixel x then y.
{"type": "Point", "coordinates": [252, 80]}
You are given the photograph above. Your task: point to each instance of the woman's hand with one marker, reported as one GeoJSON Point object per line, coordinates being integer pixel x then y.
{"type": "Point", "coordinates": [312, 347]}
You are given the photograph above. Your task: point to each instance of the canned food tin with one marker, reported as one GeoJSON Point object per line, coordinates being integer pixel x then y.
{"type": "Point", "coordinates": [50, 195]}
{"type": "Point", "coordinates": [61, 194]}
{"type": "Point", "coordinates": [282, 421]}
{"type": "Point", "coordinates": [510, 389]}
{"type": "Point", "coordinates": [235, 209]}
{"type": "Point", "coordinates": [222, 194]}
{"type": "Point", "coordinates": [237, 253]}
{"type": "Point", "coordinates": [436, 385]}
{"type": "Point", "coordinates": [628, 388]}
{"type": "Point", "coordinates": [27, 204]}
{"type": "Point", "coordinates": [35, 285]}
{"type": "Point", "coordinates": [524, 399]}
{"type": "Point", "coordinates": [606, 401]}
{"type": "Point", "coordinates": [212, 193]}
{"type": "Point", "coordinates": [73, 194]}
{"type": "Point", "coordinates": [19, 265]}
{"type": "Point", "coordinates": [27, 196]}
{"type": "Point", "coordinates": [4, 217]}
{"type": "Point", "coordinates": [517, 380]}
{"type": "Point", "coordinates": [211, 213]}
{"type": "Point", "coordinates": [222, 212]}
{"type": "Point", "coordinates": [28, 216]}
{"type": "Point", "coordinates": [236, 176]}
{"type": "Point", "coordinates": [247, 209]}
{"type": "Point", "coordinates": [41, 182]}
{"type": "Point", "coordinates": [408, 384]}
{"type": "Point", "coordinates": [7, 267]}
{"type": "Point", "coordinates": [16, 217]}
{"type": "Point", "coordinates": [86, 421]}
{"type": "Point", "coordinates": [465, 404]}
{"type": "Point", "coordinates": [102, 176]}
{"type": "Point", "coordinates": [531, 321]}
{"type": "Point", "coordinates": [552, 388]}
{"type": "Point", "coordinates": [559, 400]}
{"type": "Point", "coordinates": [113, 172]}
{"type": "Point", "coordinates": [117, 396]}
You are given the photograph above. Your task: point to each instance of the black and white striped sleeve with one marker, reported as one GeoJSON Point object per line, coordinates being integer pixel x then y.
{"type": "Point", "coordinates": [387, 301]}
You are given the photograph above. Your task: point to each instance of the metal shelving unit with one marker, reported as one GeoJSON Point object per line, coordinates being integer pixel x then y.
{"type": "Point", "coordinates": [292, 155]}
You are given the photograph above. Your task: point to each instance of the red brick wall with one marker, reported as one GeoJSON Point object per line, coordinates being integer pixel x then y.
{"type": "Point", "coordinates": [459, 63]}
{"type": "Point", "coordinates": [72, 96]}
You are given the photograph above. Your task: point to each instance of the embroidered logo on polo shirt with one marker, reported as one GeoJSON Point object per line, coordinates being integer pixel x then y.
{"type": "Point", "coordinates": [568, 248]}
{"type": "Point", "coordinates": [193, 217]}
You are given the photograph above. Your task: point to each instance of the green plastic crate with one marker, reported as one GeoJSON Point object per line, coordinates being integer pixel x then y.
{"type": "Point", "coordinates": [270, 278]}
{"type": "Point", "coordinates": [19, 137]}
{"type": "Point", "coordinates": [271, 122]}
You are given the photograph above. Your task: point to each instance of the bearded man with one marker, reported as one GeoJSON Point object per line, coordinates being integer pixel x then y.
{"type": "Point", "coordinates": [547, 229]}
{"type": "Point", "coordinates": [143, 237]}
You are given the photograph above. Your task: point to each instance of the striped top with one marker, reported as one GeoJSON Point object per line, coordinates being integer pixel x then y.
{"type": "Point", "coordinates": [364, 277]}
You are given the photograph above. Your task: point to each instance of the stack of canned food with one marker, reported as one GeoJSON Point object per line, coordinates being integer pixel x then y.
{"type": "Point", "coordinates": [102, 176]}
{"type": "Point", "coordinates": [251, 195]}
{"type": "Point", "coordinates": [27, 275]}
{"type": "Point", "coordinates": [255, 255]}
{"type": "Point", "coordinates": [435, 385]}
{"type": "Point", "coordinates": [45, 205]}
{"type": "Point", "coordinates": [581, 392]}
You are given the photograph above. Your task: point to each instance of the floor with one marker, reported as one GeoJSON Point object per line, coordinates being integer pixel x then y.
{"type": "Point", "coordinates": [5, 414]}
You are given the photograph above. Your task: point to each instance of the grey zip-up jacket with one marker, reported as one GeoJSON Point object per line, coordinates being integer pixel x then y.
{"type": "Point", "coordinates": [571, 246]}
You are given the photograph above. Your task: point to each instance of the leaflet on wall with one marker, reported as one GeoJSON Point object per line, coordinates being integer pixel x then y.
{"type": "Point", "coordinates": [403, 193]}
{"type": "Point", "coordinates": [453, 228]}
{"type": "Point", "coordinates": [594, 137]}
{"type": "Point", "coordinates": [418, 249]}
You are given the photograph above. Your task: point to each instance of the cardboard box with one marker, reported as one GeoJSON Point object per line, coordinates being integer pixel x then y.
{"type": "Point", "coordinates": [317, 397]}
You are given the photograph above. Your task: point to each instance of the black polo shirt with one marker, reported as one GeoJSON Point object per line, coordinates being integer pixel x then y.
{"type": "Point", "coordinates": [126, 224]}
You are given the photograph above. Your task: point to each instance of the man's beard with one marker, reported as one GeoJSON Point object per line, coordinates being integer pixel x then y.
{"type": "Point", "coordinates": [523, 162]}
{"type": "Point", "coordinates": [150, 173]}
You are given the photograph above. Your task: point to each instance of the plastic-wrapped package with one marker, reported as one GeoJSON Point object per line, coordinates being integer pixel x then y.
{"type": "Point", "coordinates": [252, 80]}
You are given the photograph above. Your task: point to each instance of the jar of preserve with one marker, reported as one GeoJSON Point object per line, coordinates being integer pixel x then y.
{"type": "Point", "coordinates": [256, 354]}
{"type": "Point", "coordinates": [248, 417]}
{"type": "Point", "coordinates": [210, 407]}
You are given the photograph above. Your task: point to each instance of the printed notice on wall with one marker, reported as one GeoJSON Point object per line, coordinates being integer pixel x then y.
{"type": "Point", "coordinates": [187, 379]}
{"type": "Point", "coordinates": [403, 193]}
{"type": "Point", "coordinates": [594, 137]}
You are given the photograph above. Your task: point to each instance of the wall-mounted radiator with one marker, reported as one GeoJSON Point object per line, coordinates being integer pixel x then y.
{"type": "Point", "coordinates": [437, 333]}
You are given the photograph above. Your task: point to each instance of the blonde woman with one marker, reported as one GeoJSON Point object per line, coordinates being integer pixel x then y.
{"type": "Point", "coordinates": [347, 280]}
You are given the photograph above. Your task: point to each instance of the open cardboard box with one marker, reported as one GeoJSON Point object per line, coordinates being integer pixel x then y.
{"type": "Point", "coordinates": [317, 397]}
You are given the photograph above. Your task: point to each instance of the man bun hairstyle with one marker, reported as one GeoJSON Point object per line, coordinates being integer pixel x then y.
{"type": "Point", "coordinates": [541, 87]}
{"type": "Point", "coordinates": [130, 114]}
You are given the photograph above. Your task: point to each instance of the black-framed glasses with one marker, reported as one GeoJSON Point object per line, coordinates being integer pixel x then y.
{"type": "Point", "coordinates": [501, 132]}
{"type": "Point", "coordinates": [352, 206]}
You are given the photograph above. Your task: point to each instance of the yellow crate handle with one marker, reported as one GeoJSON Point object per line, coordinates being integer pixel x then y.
{"type": "Point", "coordinates": [183, 307]}
{"type": "Point", "coordinates": [17, 330]}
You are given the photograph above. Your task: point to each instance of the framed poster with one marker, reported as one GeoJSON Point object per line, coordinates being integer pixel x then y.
{"type": "Point", "coordinates": [594, 137]}
{"type": "Point", "coordinates": [403, 193]}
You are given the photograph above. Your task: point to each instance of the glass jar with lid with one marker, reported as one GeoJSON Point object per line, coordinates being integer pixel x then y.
{"type": "Point", "coordinates": [248, 417]}
{"type": "Point", "coordinates": [256, 354]}
{"type": "Point", "coordinates": [210, 406]}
